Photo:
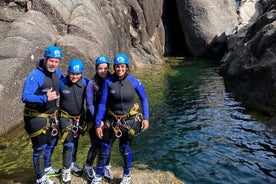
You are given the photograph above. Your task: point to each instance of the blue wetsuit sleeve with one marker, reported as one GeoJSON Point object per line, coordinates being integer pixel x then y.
{"type": "Point", "coordinates": [90, 97]}
{"type": "Point", "coordinates": [62, 83]}
{"type": "Point", "coordinates": [86, 81]}
{"type": "Point", "coordinates": [140, 90]}
{"type": "Point", "coordinates": [102, 105]}
{"type": "Point", "coordinates": [59, 74]}
{"type": "Point", "coordinates": [33, 81]}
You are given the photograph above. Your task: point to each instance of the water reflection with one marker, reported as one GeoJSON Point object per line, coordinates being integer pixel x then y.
{"type": "Point", "coordinates": [198, 131]}
{"type": "Point", "coordinates": [203, 135]}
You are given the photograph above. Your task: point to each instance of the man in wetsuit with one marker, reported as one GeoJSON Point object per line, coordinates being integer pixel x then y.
{"type": "Point", "coordinates": [40, 94]}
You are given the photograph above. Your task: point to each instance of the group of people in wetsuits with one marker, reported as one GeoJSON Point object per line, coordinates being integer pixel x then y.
{"type": "Point", "coordinates": [60, 108]}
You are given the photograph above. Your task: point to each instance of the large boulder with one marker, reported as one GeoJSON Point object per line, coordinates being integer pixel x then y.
{"type": "Point", "coordinates": [249, 68]}
{"type": "Point", "coordinates": [248, 12]}
{"type": "Point", "coordinates": [206, 25]}
{"type": "Point", "coordinates": [27, 35]}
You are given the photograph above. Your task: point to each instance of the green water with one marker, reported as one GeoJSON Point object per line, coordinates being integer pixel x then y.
{"type": "Point", "coordinates": [197, 131]}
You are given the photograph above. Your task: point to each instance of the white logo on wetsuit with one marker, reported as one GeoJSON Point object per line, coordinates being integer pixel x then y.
{"type": "Point", "coordinates": [65, 91]}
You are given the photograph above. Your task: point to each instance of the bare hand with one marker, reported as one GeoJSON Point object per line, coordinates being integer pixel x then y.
{"type": "Point", "coordinates": [99, 132]}
{"type": "Point", "coordinates": [51, 95]}
{"type": "Point", "coordinates": [145, 124]}
{"type": "Point", "coordinates": [136, 106]}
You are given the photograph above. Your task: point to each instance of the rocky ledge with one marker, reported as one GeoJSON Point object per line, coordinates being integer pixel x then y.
{"type": "Point", "coordinates": [138, 177]}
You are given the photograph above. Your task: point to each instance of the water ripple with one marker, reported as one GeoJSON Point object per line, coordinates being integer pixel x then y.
{"type": "Point", "coordinates": [204, 135]}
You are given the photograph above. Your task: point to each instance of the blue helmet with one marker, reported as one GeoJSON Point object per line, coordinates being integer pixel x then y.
{"type": "Point", "coordinates": [120, 59]}
{"type": "Point", "coordinates": [102, 59]}
{"type": "Point", "coordinates": [53, 52]}
{"type": "Point", "coordinates": [76, 66]}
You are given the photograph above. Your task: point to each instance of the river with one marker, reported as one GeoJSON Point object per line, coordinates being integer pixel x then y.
{"type": "Point", "coordinates": [198, 131]}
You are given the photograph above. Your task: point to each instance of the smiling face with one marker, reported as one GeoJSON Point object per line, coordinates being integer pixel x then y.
{"type": "Point", "coordinates": [51, 64]}
{"type": "Point", "coordinates": [102, 70]}
{"type": "Point", "coordinates": [74, 77]}
{"type": "Point", "coordinates": [120, 70]}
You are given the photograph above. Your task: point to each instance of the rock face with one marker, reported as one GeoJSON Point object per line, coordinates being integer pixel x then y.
{"type": "Point", "coordinates": [82, 29]}
{"type": "Point", "coordinates": [248, 12]}
{"type": "Point", "coordinates": [249, 68]}
{"type": "Point", "coordinates": [205, 25]}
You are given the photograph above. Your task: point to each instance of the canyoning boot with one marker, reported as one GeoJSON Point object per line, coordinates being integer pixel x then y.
{"type": "Point", "coordinates": [89, 172]}
{"type": "Point", "coordinates": [76, 171]}
{"type": "Point", "coordinates": [44, 180]}
{"type": "Point", "coordinates": [96, 180]}
{"type": "Point", "coordinates": [66, 176]}
{"type": "Point", "coordinates": [126, 179]}
{"type": "Point", "coordinates": [51, 171]}
{"type": "Point", "coordinates": [106, 174]}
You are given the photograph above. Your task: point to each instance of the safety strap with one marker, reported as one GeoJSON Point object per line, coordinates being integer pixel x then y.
{"type": "Point", "coordinates": [66, 130]}
{"type": "Point", "coordinates": [64, 114]}
{"type": "Point", "coordinates": [35, 113]}
{"type": "Point", "coordinates": [41, 131]}
{"type": "Point", "coordinates": [120, 118]}
{"type": "Point", "coordinates": [132, 112]}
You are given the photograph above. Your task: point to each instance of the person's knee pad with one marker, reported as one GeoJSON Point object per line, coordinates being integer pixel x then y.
{"type": "Point", "coordinates": [126, 153]}
{"type": "Point", "coordinates": [104, 153]}
{"type": "Point", "coordinates": [67, 154]}
{"type": "Point", "coordinates": [49, 150]}
{"type": "Point", "coordinates": [125, 150]}
{"type": "Point", "coordinates": [104, 150]}
{"type": "Point", "coordinates": [38, 159]}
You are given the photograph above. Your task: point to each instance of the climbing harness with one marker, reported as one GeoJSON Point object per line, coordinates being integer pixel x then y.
{"type": "Point", "coordinates": [121, 122]}
{"type": "Point", "coordinates": [74, 125]}
{"type": "Point", "coordinates": [52, 121]}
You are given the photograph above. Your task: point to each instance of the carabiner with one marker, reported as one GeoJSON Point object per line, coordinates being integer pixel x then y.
{"type": "Point", "coordinates": [75, 131]}
{"type": "Point", "coordinates": [54, 131]}
{"type": "Point", "coordinates": [118, 133]}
